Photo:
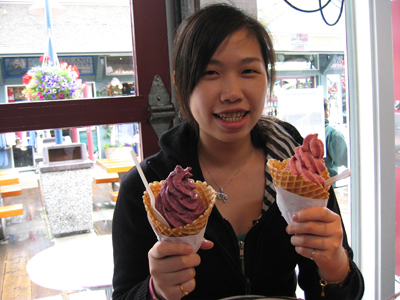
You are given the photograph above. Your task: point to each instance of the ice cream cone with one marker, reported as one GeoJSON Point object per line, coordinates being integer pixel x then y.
{"type": "Point", "coordinates": [289, 203]}
{"type": "Point", "coordinates": [296, 183]}
{"type": "Point", "coordinates": [206, 195]}
{"type": "Point", "coordinates": [293, 193]}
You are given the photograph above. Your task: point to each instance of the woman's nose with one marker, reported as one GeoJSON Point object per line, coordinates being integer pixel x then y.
{"type": "Point", "coordinates": [231, 89]}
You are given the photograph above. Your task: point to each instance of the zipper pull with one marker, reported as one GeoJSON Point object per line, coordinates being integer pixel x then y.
{"type": "Point", "coordinates": [241, 254]}
{"type": "Point", "coordinates": [241, 249]}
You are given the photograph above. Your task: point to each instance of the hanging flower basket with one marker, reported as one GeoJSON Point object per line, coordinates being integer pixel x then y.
{"type": "Point", "coordinates": [49, 82]}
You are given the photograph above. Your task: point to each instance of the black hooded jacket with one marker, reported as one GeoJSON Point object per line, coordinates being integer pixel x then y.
{"type": "Point", "coordinates": [269, 259]}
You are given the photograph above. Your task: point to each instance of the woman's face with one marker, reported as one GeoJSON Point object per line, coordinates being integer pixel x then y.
{"type": "Point", "coordinates": [229, 98]}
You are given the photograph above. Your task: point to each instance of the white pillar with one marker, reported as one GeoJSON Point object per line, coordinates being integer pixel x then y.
{"type": "Point", "coordinates": [372, 154]}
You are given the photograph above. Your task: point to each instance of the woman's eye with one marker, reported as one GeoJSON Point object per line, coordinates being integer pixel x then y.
{"type": "Point", "coordinates": [249, 71]}
{"type": "Point", "coordinates": [210, 72]}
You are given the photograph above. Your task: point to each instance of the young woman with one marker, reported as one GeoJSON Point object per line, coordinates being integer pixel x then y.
{"type": "Point", "coordinates": [223, 65]}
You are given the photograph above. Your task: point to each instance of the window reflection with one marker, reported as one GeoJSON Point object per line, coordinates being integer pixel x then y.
{"type": "Point", "coordinates": [111, 141]}
{"type": "Point", "coordinates": [99, 46]}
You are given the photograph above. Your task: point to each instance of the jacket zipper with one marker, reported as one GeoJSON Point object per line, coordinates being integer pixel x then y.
{"type": "Point", "coordinates": [241, 255]}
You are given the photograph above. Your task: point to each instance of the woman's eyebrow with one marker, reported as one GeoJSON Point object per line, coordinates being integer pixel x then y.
{"type": "Point", "coordinates": [242, 61]}
{"type": "Point", "coordinates": [214, 62]}
{"type": "Point", "coordinates": [248, 60]}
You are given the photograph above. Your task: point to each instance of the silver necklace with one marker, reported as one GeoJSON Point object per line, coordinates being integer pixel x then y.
{"type": "Point", "coordinates": [221, 195]}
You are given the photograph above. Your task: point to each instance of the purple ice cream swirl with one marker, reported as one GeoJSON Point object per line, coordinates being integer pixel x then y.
{"type": "Point", "coordinates": [178, 200]}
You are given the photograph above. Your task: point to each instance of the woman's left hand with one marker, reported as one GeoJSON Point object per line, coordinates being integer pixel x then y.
{"type": "Point", "coordinates": [318, 235]}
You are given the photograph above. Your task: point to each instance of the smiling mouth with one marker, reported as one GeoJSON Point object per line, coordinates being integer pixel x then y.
{"type": "Point", "coordinates": [232, 117]}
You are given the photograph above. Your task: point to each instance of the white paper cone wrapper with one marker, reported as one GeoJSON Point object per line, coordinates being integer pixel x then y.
{"type": "Point", "coordinates": [193, 240]}
{"type": "Point", "coordinates": [289, 203]}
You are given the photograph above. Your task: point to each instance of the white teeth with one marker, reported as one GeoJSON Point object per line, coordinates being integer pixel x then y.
{"type": "Point", "coordinates": [232, 117]}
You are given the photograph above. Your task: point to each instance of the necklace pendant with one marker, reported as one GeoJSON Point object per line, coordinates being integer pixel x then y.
{"type": "Point", "coordinates": [222, 196]}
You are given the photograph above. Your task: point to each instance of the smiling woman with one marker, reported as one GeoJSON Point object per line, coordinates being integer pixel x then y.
{"type": "Point", "coordinates": [231, 92]}
{"type": "Point", "coordinates": [223, 63]}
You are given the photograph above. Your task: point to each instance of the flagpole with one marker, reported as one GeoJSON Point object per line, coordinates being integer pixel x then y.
{"type": "Point", "coordinates": [53, 57]}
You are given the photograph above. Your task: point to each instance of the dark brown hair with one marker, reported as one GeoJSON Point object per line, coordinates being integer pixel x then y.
{"type": "Point", "coordinates": [199, 36]}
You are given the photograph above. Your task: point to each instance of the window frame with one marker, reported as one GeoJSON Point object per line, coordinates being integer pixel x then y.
{"type": "Point", "coordinates": [371, 115]}
{"type": "Point", "coordinates": [151, 55]}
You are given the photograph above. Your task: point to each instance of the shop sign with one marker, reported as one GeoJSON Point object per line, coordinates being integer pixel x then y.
{"type": "Point", "coordinates": [16, 67]}
{"type": "Point", "coordinates": [304, 109]}
{"type": "Point", "coordinates": [299, 41]}
{"type": "Point", "coordinates": [84, 63]}
{"type": "Point", "coordinates": [338, 62]}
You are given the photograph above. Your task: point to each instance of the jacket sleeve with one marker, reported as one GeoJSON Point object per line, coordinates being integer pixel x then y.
{"type": "Point", "coordinates": [309, 280]}
{"type": "Point", "coordinates": [132, 238]}
{"type": "Point", "coordinates": [337, 149]}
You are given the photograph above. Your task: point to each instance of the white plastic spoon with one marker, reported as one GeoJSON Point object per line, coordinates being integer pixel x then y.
{"type": "Point", "coordinates": [346, 173]}
{"type": "Point", "coordinates": [156, 213]}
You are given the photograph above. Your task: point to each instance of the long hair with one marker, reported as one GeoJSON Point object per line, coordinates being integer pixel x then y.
{"type": "Point", "coordinates": [197, 39]}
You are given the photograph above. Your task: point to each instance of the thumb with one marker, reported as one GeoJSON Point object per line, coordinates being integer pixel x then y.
{"type": "Point", "coordinates": [206, 245]}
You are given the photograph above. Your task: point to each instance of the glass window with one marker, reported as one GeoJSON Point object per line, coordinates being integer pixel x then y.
{"type": "Point", "coordinates": [101, 48]}
{"type": "Point", "coordinates": [310, 57]}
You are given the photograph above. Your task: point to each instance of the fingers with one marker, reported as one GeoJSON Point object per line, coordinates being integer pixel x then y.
{"type": "Point", "coordinates": [317, 234]}
{"type": "Point", "coordinates": [163, 249]}
{"type": "Point", "coordinates": [174, 291]}
{"type": "Point", "coordinates": [322, 214]}
{"type": "Point", "coordinates": [172, 265]}
{"type": "Point", "coordinates": [168, 257]}
{"type": "Point", "coordinates": [319, 221]}
{"type": "Point", "coordinates": [206, 245]}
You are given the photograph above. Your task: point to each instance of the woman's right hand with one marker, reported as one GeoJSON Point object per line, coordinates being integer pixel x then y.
{"type": "Point", "coordinates": [172, 266]}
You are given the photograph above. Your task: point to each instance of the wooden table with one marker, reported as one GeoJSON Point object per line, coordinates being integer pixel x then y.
{"type": "Point", "coordinates": [9, 177]}
{"type": "Point", "coordinates": [82, 264]}
{"type": "Point", "coordinates": [115, 165]}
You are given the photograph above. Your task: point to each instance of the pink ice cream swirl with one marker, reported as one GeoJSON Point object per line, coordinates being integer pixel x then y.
{"type": "Point", "coordinates": [178, 200]}
{"type": "Point", "coordinates": [307, 160]}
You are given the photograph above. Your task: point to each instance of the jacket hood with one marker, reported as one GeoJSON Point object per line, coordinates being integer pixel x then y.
{"type": "Point", "coordinates": [180, 144]}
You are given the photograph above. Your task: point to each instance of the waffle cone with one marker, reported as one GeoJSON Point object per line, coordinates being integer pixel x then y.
{"type": "Point", "coordinates": [206, 195]}
{"type": "Point", "coordinates": [296, 183]}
